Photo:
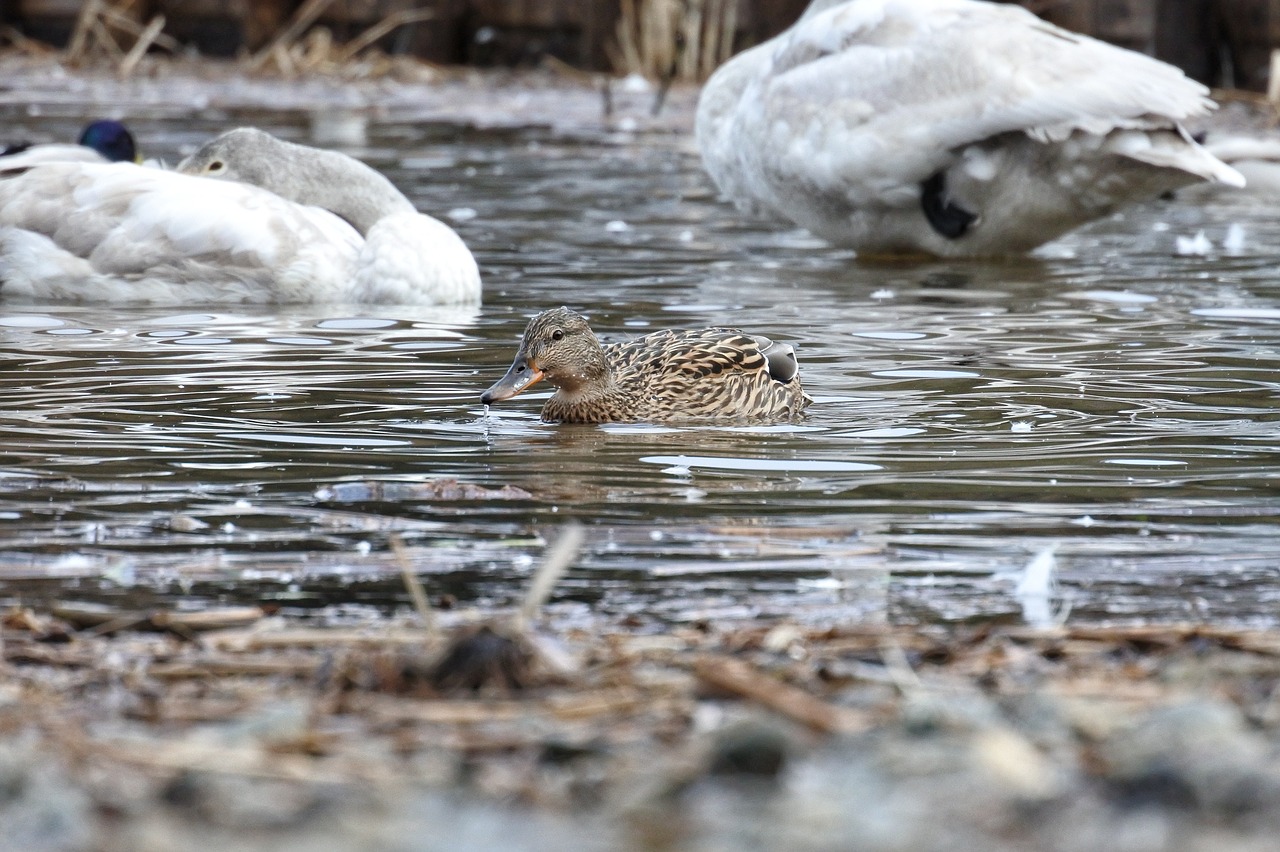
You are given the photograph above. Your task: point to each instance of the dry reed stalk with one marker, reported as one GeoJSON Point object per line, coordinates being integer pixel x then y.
{"type": "Point", "coordinates": [627, 37]}
{"type": "Point", "coordinates": [673, 39]}
{"type": "Point", "coordinates": [1273, 83]}
{"type": "Point", "coordinates": [79, 42]}
{"type": "Point", "coordinates": [303, 18]}
{"type": "Point", "coordinates": [559, 556]}
{"type": "Point", "coordinates": [380, 29]}
{"type": "Point", "coordinates": [29, 46]}
{"type": "Point", "coordinates": [140, 47]}
{"type": "Point", "coordinates": [114, 16]}
{"type": "Point", "coordinates": [688, 48]}
{"type": "Point", "coordinates": [728, 26]}
{"type": "Point", "coordinates": [104, 38]}
{"type": "Point", "coordinates": [414, 586]}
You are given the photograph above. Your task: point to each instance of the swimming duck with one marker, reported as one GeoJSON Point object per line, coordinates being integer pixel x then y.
{"type": "Point", "coordinates": [946, 127]}
{"type": "Point", "coordinates": [125, 233]}
{"type": "Point", "coordinates": [102, 141]}
{"type": "Point", "coordinates": [708, 374]}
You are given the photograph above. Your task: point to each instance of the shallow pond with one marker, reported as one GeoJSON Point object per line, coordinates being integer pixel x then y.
{"type": "Point", "coordinates": [1109, 399]}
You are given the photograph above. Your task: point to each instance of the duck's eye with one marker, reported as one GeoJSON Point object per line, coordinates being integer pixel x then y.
{"type": "Point", "coordinates": [557, 335]}
{"type": "Point", "coordinates": [216, 166]}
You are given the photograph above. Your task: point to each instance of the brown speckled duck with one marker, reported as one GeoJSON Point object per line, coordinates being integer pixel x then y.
{"type": "Point", "coordinates": [708, 374]}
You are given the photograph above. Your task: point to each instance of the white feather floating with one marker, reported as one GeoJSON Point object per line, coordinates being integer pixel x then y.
{"type": "Point", "coordinates": [1035, 590]}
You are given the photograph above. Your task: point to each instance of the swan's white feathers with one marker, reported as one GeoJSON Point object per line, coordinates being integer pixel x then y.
{"type": "Point", "coordinates": [399, 246]}
{"type": "Point", "coordinates": [51, 152]}
{"type": "Point", "coordinates": [852, 108]}
{"type": "Point", "coordinates": [148, 235]}
{"type": "Point", "coordinates": [283, 232]}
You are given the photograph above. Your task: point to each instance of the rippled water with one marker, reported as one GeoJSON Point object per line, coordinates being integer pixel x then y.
{"type": "Point", "coordinates": [1108, 398]}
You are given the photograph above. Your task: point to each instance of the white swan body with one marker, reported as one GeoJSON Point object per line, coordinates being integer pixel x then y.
{"type": "Point", "coordinates": [946, 127]}
{"type": "Point", "coordinates": [51, 152]}
{"type": "Point", "coordinates": [123, 233]}
{"type": "Point", "coordinates": [1256, 156]}
{"type": "Point", "coordinates": [407, 257]}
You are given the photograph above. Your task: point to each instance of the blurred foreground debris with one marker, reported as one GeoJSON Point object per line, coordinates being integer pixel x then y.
{"type": "Point", "coordinates": [274, 719]}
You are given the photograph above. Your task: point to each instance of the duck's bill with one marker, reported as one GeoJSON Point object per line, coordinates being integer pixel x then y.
{"type": "Point", "coordinates": [520, 377]}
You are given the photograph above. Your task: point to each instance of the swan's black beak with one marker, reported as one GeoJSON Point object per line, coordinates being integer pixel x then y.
{"type": "Point", "coordinates": [522, 375]}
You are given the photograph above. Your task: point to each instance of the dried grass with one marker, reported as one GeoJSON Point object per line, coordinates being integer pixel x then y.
{"type": "Point", "coordinates": [674, 39]}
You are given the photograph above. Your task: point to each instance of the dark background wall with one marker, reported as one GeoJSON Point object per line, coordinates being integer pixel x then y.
{"type": "Point", "coordinates": [1220, 42]}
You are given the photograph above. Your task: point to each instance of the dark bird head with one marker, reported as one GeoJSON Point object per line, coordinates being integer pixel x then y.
{"type": "Point", "coordinates": [112, 140]}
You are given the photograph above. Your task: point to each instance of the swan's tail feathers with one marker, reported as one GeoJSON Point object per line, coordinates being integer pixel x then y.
{"type": "Point", "coordinates": [1175, 149]}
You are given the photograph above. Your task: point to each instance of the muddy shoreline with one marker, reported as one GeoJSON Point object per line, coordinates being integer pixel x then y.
{"type": "Point", "coordinates": [769, 736]}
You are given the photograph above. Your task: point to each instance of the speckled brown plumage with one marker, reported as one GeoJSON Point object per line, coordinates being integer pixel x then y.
{"type": "Point", "coordinates": [707, 374]}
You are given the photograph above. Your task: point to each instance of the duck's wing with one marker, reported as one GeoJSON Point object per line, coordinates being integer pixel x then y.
{"type": "Point", "coordinates": [689, 356]}
{"type": "Point", "coordinates": [161, 236]}
{"type": "Point", "coordinates": [873, 95]}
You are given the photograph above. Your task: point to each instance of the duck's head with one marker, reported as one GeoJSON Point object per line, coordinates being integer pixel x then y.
{"type": "Point", "coordinates": [112, 140]}
{"type": "Point", "coordinates": [558, 346]}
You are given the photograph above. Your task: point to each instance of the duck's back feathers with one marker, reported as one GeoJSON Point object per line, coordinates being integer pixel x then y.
{"type": "Point", "coordinates": [21, 158]}
{"type": "Point", "coordinates": [707, 374]}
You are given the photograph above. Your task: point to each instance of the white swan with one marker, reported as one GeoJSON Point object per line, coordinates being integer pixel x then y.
{"type": "Point", "coordinates": [946, 127]}
{"type": "Point", "coordinates": [124, 233]}
{"type": "Point", "coordinates": [1255, 155]}
{"type": "Point", "coordinates": [407, 256]}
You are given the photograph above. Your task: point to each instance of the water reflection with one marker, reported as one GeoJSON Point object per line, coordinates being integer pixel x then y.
{"type": "Point", "coordinates": [1107, 396]}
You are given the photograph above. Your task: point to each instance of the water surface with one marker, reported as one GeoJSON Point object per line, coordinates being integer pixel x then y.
{"type": "Point", "coordinates": [1108, 397]}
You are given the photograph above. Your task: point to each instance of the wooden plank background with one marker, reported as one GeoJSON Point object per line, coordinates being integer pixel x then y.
{"type": "Point", "coordinates": [1221, 42]}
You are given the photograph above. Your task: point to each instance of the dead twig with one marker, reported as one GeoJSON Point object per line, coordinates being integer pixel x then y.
{"type": "Point", "coordinates": [380, 29]}
{"type": "Point", "coordinates": [559, 556]}
{"type": "Point", "coordinates": [414, 587]}
{"type": "Point", "coordinates": [304, 17]}
{"type": "Point", "coordinates": [746, 681]}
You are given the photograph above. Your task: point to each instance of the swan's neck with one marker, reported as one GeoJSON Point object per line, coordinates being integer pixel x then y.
{"type": "Point", "coordinates": [340, 184]}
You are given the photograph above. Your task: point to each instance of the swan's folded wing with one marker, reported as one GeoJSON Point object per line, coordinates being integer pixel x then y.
{"type": "Point", "coordinates": [134, 222]}
{"type": "Point", "coordinates": [895, 79]}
